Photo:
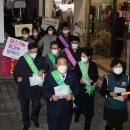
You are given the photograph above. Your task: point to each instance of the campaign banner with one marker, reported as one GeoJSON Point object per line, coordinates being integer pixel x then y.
{"type": "Point", "coordinates": [19, 27]}
{"type": "Point", "coordinates": [15, 48]}
{"type": "Point", "coordinates": [50, 21]}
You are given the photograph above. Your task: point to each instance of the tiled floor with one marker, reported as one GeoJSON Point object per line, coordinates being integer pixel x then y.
{"type": "Point", "coordinates": [10, 116]}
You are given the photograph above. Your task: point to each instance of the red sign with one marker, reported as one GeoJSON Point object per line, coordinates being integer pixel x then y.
{"type": "Point", "coordinates": [5, 64]}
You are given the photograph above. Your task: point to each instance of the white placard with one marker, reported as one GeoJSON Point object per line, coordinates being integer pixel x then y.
{"type": "Point", "coordinates": [36, 80]}
{"type": "Point", "coordinates": [15, 48]}
{"type": "Point", "coordinates": [50, 21]}
{"type": "Point", "coordinates": [62, 90]}
{"type": "Point", "coordinates": [1, 21]}
{"type": "Point", "coordinates": [119, 90]}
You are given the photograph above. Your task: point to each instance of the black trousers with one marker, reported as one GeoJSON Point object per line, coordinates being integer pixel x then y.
{"type": "Point", "coordinates": [60, 124]}
{"type": "Point", "coordinates": [36, 105]}
{"type": "Point", "coordinates": [117, 126]}
{"type": "Point", "coordinates": [88, 119]}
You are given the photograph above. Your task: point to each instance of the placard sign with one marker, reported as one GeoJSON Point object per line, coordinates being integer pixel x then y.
{"type": "Point", "coordinates": [19, 27]}
{"type": "Point", "coordinates": [50, 21]}
{"type": "Point", "coordinates": [15, 48]}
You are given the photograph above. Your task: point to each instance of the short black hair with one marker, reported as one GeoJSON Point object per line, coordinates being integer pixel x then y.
{"type": "Point", "coordinates": [54, 43]}
{"type": "Point", "coordinates": [87, 52]}
{"type": "Point", "coordinates": [116, 61]}
{"type": "Point", "coordinates": [74, 38]}
{"type": "Point", "coordinates": [32, 45]}
{"type": "Point", "coordinates": [35, 28]}
{"type": "Point", "coordinates": [61, 56]}
{"type": "Point", "coordinates": [65, 24]}
{"type": "Point", "coordinates": [26, 29]}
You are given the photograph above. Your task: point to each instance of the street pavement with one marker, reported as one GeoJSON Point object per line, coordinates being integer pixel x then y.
{"type": "Point", "coordinates": [10, 115]}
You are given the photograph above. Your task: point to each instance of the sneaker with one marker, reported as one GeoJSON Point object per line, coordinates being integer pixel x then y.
{"type": "Point", "coordinates": [25, 128]}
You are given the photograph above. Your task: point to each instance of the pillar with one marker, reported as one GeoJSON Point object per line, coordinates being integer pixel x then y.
{"type": "Point", "coordinates": [48, 8]}
{"type": "Point", "coordinates": [2, 21]}
{"type": "Point", "coordinates": [81, 13]}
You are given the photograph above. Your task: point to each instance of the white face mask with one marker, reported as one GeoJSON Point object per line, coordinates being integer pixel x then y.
{"type": "Point", "coordinates": [35, 34]}
{"type": "Point", "coordinates": [33, 55]}
{"type": "Point", "coordinates": [25, 36]}
{"type": "Point", "coordinates": [54, 51]}
{"type": "Point", "coordinates": [65, 31]}
{"type": "Point", "coordinates": [62, 69]}
{"type": "Point", "coordinates": [50, 32]}
{"type": "Point", "coordinates": [74, 46]}
{"type": "Point", "coordinates": [118, 71]}
{"type": "Point", "coordinates": [84, 59]}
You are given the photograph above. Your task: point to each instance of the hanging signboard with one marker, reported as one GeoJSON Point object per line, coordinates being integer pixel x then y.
{"type": "Point", "coordinates": [20, 4]}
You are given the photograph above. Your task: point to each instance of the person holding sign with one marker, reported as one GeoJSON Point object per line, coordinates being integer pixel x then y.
{"type": "Point", "coordinates": [47, 39]}
{"type": "Point", "coordinates": [87, 74]}
{"type": "Point", "coordinates": [29, 75]}
{"type": "Point", "coordinates": [61, 87]}
{"type": "Point", "coordinates": [115, 105]}
{"type": "Point", "coordinates": [54, 53]}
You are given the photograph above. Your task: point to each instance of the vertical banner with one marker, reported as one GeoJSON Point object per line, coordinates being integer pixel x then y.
{"type": "Point", "coordinates": [1, 21]}
{"type": "Point", "coordinates": [5, 64]}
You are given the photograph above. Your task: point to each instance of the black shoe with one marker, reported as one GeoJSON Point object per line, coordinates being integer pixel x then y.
{"type": "Point", "coordinates": [25, 128]}
{"type": "Point", "coordinates": [36, 124]}
{"type": "Point", "coordinates": [76, 120]}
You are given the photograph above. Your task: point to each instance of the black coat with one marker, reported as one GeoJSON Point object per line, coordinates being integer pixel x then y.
{"type": "Point", "coordinates": [23, 70]}
{"type": "Point", "coordinates": [61, 106]}
{"type": "Point", "coordinates": [85, 102]}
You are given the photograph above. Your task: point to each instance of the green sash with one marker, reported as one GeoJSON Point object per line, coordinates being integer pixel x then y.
{"type": "Point", "coordinates": [58, 79]}
{"type": "Point", "coordinates": [52, 58]}
{"type": "Point", "coordinates": [31, 64]}
{"type": "Point", "coordinates": [89, 88]}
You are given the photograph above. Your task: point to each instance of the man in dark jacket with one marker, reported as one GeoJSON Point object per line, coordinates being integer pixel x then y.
{"type": "Point", "coordinates": [22, 73]}
{"type": "Point", "coordinates": [60, 104]}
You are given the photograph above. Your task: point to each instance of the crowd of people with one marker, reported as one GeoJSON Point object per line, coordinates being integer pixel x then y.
{"type": "Point", "coordinates": [56, 68]}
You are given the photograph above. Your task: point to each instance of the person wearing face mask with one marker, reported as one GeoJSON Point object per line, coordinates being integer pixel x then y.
{"type": "Point", "coordinates": [115, 105]}
{"type": "Point", "coordinates": [35, 35]}
{"type": "Point", "coordinates": [28, 66]}
{"type": "Point", "coordinates": [47, 39]}
{"type": "Point", "coordinates": [87, 73]}
{"type": "Point", "coordinates": [26, 33]}
{"type": "Point", "coordinates": [54, 53]}
{"type": "Point", "coordinates": [61, 86]}
{"type": "Point", "coordinates": [64, 38]}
